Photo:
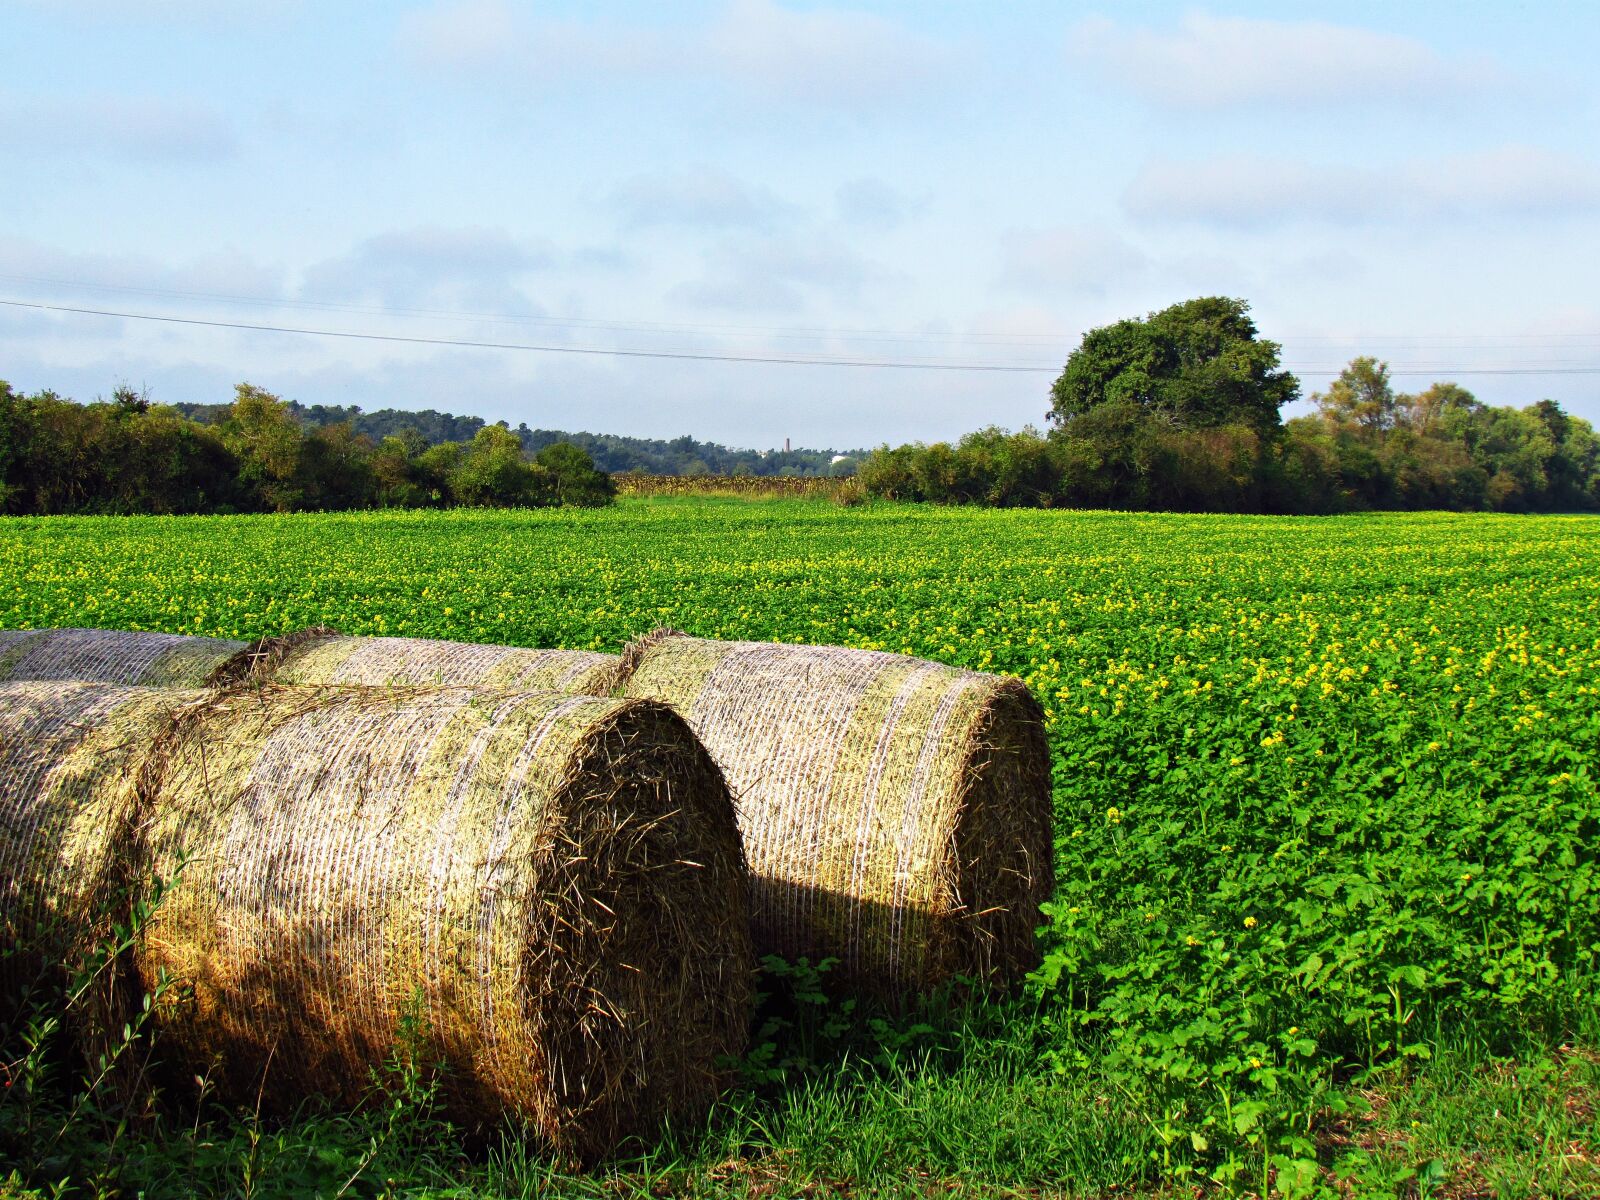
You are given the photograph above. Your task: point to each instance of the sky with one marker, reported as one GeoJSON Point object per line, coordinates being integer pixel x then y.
{"type": "Point", "coordinates": [927, 204]}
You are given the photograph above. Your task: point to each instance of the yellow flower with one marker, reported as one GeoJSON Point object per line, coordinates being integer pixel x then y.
{"type": "Point", "coordinates": [1191, 940]}
{"type": "Point", "coordinates": [1249, 922]}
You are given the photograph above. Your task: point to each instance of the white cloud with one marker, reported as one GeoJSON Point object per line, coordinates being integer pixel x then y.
{"type": "Point", "coordinates": [1511, 181]}
{"type": "Point", "coordinates": [698, 196]}
{"type": "Point", "coordinates": [836, 57]}
{"type": "Point", "coordinates": [132, 127]}
{"type": "Point", "coordinates": [873, 205]}
{"type": "Point", "coordinates": [114, 283]}
{"type": "Point", "coordinates": [1247, 192]}
{"type": "Point", "coordinates": [823, 54]}
{"type": "Point", "coordinates": [124, 280]}
{"type": "Point", "coordinates": [465, 35]}
{"type": "Point", "coordinates": [472, 269]}
{"type": "Point", "coordinates": [1215, 62]}
{"type": "Point", "coordinates": [777, 275]}
{"type": "Point", "coordinates": [187, 12]}
{"type": "Point", "coordinates": [1088, 259]}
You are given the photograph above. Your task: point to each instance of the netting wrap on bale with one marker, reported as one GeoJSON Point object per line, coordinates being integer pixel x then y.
{"type": "Point", "coordinates": [319, 657]}
{"type": "Point", "coordinates": [112, 656]}
{"type": "Point", "coordinates": [895, 812]}
{"type": "Point", "coordinates": [550, 887]}
{"type": "Point", "coordinates": [69, 759]}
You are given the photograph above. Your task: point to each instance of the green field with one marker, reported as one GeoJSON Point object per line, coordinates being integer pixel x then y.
{"type": "Point", "coordinates": [1327, 812]}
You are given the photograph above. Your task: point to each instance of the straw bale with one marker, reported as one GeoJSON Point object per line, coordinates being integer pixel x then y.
{"type": "Point", "coordinates": [112, 656]}
{"type": "Point", "coordinates": [552, 886]}
{"type": "Point", "coordinates": [317, 657]}
{"type": "Point", "coordinates": [895, 812]}
{"type": "Point", "coordinates": [69, 757]}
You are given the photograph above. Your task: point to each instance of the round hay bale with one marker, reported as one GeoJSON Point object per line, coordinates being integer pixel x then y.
{"type": "Point", "coordinates": [112, 656]}
{"type": "Point", "coordinates": [317, 657]}
{"type": "Point", "coordinates": [896, 813]}
{"type": "Point", "coordinates": [550, 888]}
{"type": "Point", "coordinates": [69, 759]}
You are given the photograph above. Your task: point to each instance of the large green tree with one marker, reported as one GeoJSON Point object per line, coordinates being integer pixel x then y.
{"type": "Point", "coordinates": [1195, 365]}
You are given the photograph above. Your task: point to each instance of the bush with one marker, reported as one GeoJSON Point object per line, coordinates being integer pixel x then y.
{"type": "Point", "coordinates": [576, 480]}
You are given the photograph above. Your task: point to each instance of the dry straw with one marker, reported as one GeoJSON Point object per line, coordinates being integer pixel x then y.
{"type": "Point", "coordinates": [322, 656]}
{"type": "Point", "coordinates": [895, 812]}
{"type": "Point", "coordinates": [69, 757]}
{"type": "Point", "coordinates": [551, 887]}
{"type": "Point", "coordinates": [112, 656]}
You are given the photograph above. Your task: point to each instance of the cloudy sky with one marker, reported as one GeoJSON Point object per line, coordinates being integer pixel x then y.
{"type": "Point", "coordinates": [957, 186]}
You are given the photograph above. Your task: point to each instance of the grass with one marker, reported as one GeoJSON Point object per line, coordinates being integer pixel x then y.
{"type": "Point", "coordinates": [1326, 921]}
{"type": "Point", "coordinates": [1473, 1123]}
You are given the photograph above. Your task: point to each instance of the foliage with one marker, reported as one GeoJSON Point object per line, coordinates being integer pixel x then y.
{"type": "Point", "coordinates": [1366, 448]}
{"type": "Point", "coordinates": [688, 457]}
{"type": "Point", "coordinates": [1179, 412]}
{"type": "Point", "coordinates": [257, 454]}
{"type": "Point", "coordinates": [1361, 396]}
{"type": "Point", "coordinates": [1194, 365]}
{"type": "Point", "coordinates": [611, 452]}
{"type": "Point", "coordinates": [575, 479]}
{"type": "Point", "coordinates": [492, 470]}
{"type": "Point", "coordinates": [1326, 794]}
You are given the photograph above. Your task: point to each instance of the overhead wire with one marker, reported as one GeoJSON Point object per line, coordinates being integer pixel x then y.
{"type": "Point", "coordinates": [1563, 367]}
{"type": "Point", "coordinates": [1421, 341]}
{"type": "Point", "coordinates": [648, 327]}
{"type": "Point", "coordinates": [602, 351]}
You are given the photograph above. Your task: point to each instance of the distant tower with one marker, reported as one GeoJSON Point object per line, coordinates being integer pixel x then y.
{"type": "Point", "coordinates": [786, 445]}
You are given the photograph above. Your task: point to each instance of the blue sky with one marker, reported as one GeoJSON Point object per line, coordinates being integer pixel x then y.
{"type": "Point", "coordinates": [962, 183]}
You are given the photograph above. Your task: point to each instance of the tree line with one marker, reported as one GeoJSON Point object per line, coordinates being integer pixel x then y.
{"type": "Point", "coordinates": [612, 453]}
{"type": "Point", "coordinates": [1179, 411]}
{"type": "Point", "coordinates": [259, 454]}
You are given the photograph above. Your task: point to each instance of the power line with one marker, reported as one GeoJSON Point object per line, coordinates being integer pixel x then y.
{"type": "Point", "coordinates": [1436, 369]}
{"type": "Point", "coordinates": [809, 333]}
{"type": "Point", "coordinates": [1414, 341]}
{"type": "Point", "coordinates": [598, 351]}
{"type": "Point", "coordinates": [1437, 372]}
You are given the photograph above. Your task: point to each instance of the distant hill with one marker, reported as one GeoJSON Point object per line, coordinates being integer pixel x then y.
{"type": "Point", "coordinates": [611, 452]}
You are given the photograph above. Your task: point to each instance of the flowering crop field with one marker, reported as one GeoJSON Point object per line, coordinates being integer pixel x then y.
{"type": "Point", "coordinates": [1326, 800]}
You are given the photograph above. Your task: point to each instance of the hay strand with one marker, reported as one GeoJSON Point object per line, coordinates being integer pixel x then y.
{"type": "Point", "coordinates": [552, 885]}
{"type": "Point", "coordinates": [69, 758]}
{"type": "Point", "coordinates": [896, 812]}
{"type": "Point", "coordinates": [258, 661]}
{"type": "Point", "coordinates": [133, 658]}
{"type": "Point", "coordinates": [320, 657]}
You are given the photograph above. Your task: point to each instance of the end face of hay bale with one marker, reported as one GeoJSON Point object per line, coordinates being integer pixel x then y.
{"type": "Point", "coordinates": [896, 812]}
{"type": "Point", "coordinates": [552, 888]}
{"type": "Point", "coordinates": [112, 656]}
{"type": "Point", "coordinates": [424, 662]}
{"type": "Point", "coordinates": [69, 760]}
{"type": "Point", "coordinates": [1004, 845]}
